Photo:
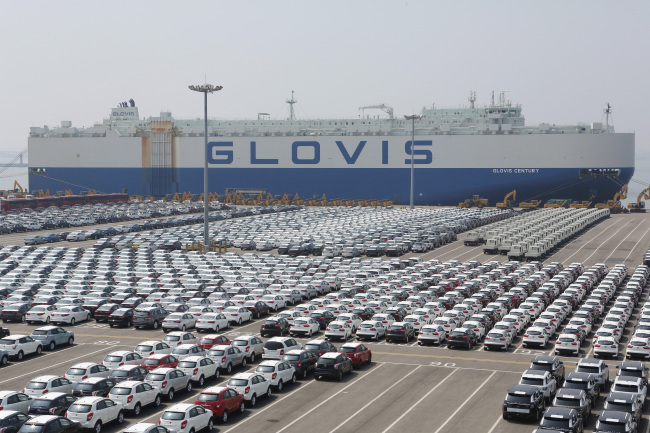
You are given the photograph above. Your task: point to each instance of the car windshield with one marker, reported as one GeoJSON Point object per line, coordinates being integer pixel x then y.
{"type": "Point", "coordinates": [532, 381]}
{"type": "Point", "coordinates": [630, 373]}
{"type": "Point", "coordinates": [76, 371]}
{"type": "Point", "coordinates": [181, 351]}
{"type": "Point", "coordinates": [617, 405]}
{"type": "Point", "coordinates": [155, 377]}
{"type": "Point", "coordinates": [151, 361]}
{"type": "Point", "coordinates": [186, 364]}
{"type": "Point", "coordinates": [238, 382]}
{"type": "Point", "coordinates": [80, 408]}
{"type": "Point", "coordinates": [610, 426]}
{"type": "Point", "coordinates": [208, 397]}
{"type": "Point", "coordinates": [36, 385]}
{"type": "Point", "coordinates": [347, 349]}
{"type": "Point", "coordinates": [7, 341]}
{"type": "Point", "coordinates": [625, 388]}
{"type": "Point", "coordinates": [572, 402]}
{"type": "Point", "coordinates": [216, 352]}
{"type": "Point", "coordinates": [32, 428]}
{"type": "Point", "coordinates": [118, 390]}
{"type": "Point", "coordinates": [518, 398]}
{"type": "Point", "coordinates": [120, 373]}
{"type": "Point", "coordinates": [291, 358]}
{"type": "Point", "coordinates": [41, 403]}
{"type": "Point", "coordinates": [143, 348]}
{"type": "Point", "coordinates": [265, 369]}
{"type": "Point", "coordinates": [174, 416]}
{"type": "Point", "coordinates": [113, 358]}
{"type": "Point", "coordinates": [85, 386]}
{"type": "Point", "coordinates": [240, 343]}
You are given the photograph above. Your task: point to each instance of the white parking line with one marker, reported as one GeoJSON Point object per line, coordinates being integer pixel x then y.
{"type": "Point", "coordinates": [43, 354]}
{"type": "Point", "coordinates": [420, 400]}
{"type": "Point", "coordinates": [64, 362]}
{"type": "Point", "coordinates": [496, 424]}
{"type": "Point", "coordinates": [632, 249]}
{"type": "Point", "coordinates": [372, 401]}
{"type": "Point", "coordinates": [621, 242]}
{"type": "Point", "coordinates": [328, 399]}
{"type": "Point", "coordinates": [465, 402]}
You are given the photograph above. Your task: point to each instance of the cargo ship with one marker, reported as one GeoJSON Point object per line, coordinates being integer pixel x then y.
{"type": "Point", "coordinates": [456, 153]}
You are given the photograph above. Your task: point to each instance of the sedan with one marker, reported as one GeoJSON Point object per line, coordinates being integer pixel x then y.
{"type": "Point", "coordinates": [305, 326]}
{"type": "Point", "coordinates": [212, 322]}
{"type": "Point", "coordinates": [462, 338]}
{"type": "Point", "coordinates": [122, 317]}
{"type": "Point", "coordinates": [275, 326]}
{"type": "Point", "coordinates": [371, 330]}
{"type": "Point", "coordinates": [238, 315]}
{"type": "Point", "coordinates": [70, 315]}
{"type": "Point", "coordinates": [431, 334]}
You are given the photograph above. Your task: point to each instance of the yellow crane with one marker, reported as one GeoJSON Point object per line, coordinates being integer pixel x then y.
{"type": "Point", "coordinates": [506, 203]}
{"type": "Point", "coordinates": [639, 206]}
{"type": "Point", "coordinates": [614, 205]}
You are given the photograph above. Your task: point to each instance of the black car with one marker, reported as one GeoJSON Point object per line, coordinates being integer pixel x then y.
{"type": "Point", "coordinates": [102, 244]}
{"type": "Point", "coordinates": [130, 372]}
{"type": "Point", "coordinates": [552, 364]}
{"type": "Point", "coordinates": [275, 326]}
{"type": "Point", "coordinates": [150, 318]}
{"type": "Point", "coordinates": [132, 302]}
{"type": "Point", "coordinates": [400, 331]}
{"type": "Point", "coordinates": [93, 304]}
{"type": "Point", "coordinates": [302, 360]}
{"type": "Point", "coordinates": [11, 421]}
{"type": "Point", "coordinates": [323, 317]}
{"type": "Point", "coordinates": [4, 332]}
{"type": "Point", "coordinates": [50, 424]}
{"type": "Point", "coordinates": [462, 337]}
{"type": "Point", "coordinates": [365, 313]}
{"type": "Point", "coordinates": [574, 399]}
{"type": "Point", "coordinates": [398, 313]}
{"type": "Point", "coordinates": [55, 403]}
{"type": "Point", "coordinates": [319, 347]}
{"type": "Point", "coordinates": [15, 312]}
{"type": "Point", "coordinates": [102, 313]}
{"type": "Point", "coordinates": [616, 421]}
{"type": "Point", "coordinates": [259, 309]}
{"type": "Point", "coordinates": [121, 317]}
{"type": "Point", "coordinates": [562, 418]}
{"type": "Point", "coordinates": [584, 381]}
{"type": "Point", "coordinates": [93, 386]}
{"type": "Point", "coordinates": [332, 364]}
{"type": "Point", "coordinates": [524, 401]}
{"type": "Point", "coordinates": [624, 402]}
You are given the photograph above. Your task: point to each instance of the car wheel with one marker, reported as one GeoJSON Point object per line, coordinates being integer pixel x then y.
{"type": "Point", "coordinates": [316, 377]}
{"type": "Point", "coordinates": [157, 401]}
{"type": "Point", "coordinates": [269, 393]}
{"type": "Point", "coordinates": [252, 358]}
{"type": "Point", "coordinates": [189, 386]}
{"type": "Point", "coordinates": [210, 425]}
{"type": "Point", "coordinates": [229, 368]}
{"type": "Point", "coordinates": [279, 386]}
{"type": "Point", "coordinates": [110, 324]}
{"type": "Point", "coordinates": [52, 345]}
{"type": "Point", "coordinates": [4, 360]}
{"type": "Point", "coordinates": [369, 358]}
{"type": "Point", "coordinates": [88, 318]}
{"type": "Point", "coordinates": [183, 328]}
{"type": "Point", "coordinates": [137, 409]}
{"type": "Point", "coordinates": [155, 324]}
{"type": "Point", "coordinates": [253, 400]}
{"type": "Point", "coordinates": [170, 394]}
{"type": "Point", "coordinates": [304, 374]}
{"type": "Point", "coordinates": [243, 363]}
{"type": "Point", "coordinates": [70, 341]}
{"type": "Point", "coordinates": [72, 322]}
{"type": "Point", "coordinates": [20, 355]}
{"type": "Point", "coordinates": [47, 320]}
{"type": "Point", "coordinates": [310, 333]}
{"type": "Point", "coordinates": [239, 322]}
{"type": "Point", "coordinates": [216, 329]}
{"type": "Point", "coordinates": [242, 407]}
{"type": "Point", "coordinates": [98, 427]}
{"type": "Point", "coordinates": [39, 349]}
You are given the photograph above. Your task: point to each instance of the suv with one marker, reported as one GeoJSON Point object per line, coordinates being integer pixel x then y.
{"type": "Point", "coordinates": [52, 336]}
{"type": "Point", "coordinates": [332, 364]}
{"type": "Point", "coordinates": [149, 318]}
{"type": "Point", "coordinates": [524, 401]}
{"type": "Point", "coordinates": [544, 380]}
{"type": "Point", "coordinates": [586, 382]}
{"type": "Point", "coordinates": [561, 418]}
{"type": "Point", "coordinates": [51, 424]}
{"type": "Point", "coordinates": [624, 402]}
{"type": "Point", "coordinates": [400, 331]}
{"type": "Point", "coordinates": [632, 369]}
{"type": "Point", "coordinates": [276, 347]}
{"type": "Point", "coordinates": [574, 399]}
{"type": "Point", "coordinates": [552, 364]}
{"type": "Point", "coordinates": [53, 403]}
{"type": "Point", "coordinates": [612, 420]}
{"type": "Point", "coordinates": [596, 367]}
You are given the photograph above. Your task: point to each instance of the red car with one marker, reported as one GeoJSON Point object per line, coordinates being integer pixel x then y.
{"type": "Point", "coordinates": [214, 340]}
{"type": "Point", "coordinates": [357, 352]}
{"type": "Point", "coordinates": [222, 401]}
{"type": "Point", "coordinates": [159, 360]}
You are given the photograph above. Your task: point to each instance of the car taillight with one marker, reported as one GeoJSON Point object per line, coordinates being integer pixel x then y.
{"type": "Point", "coordinates": [130, 399]}
{"type": "Point", "coordinates": [574, 344]}
{"type": "Point", "coordinates": [196, 370]}
{"type": "Point", "coordinates": [183, 424]}
{"type": "Point", "coordinates": [164, 384]}
{"type": "Point", "coordinates": [247, 348]}
{"type": "Point", "coordinates": [247, 390]}
{"type": "Point", "coordinates": [613, 347]}
{"type": "Point", "coordinates": [151, 353]}
{"type": "Point", "coordinates": [629, 346]}
{"type": "Point", "coordinates": [274, 376]}
{"type": "Point", "coordinates": [90, 416]}
{"type": "Point", "coordinates": [299, 365]}
{"type": "Point", "coordinates": [46, 391]}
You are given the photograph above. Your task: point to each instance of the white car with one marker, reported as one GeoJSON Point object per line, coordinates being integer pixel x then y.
{"type": "Point", "coordinates": [122, 357]}
{"type": "Point", "coordinates": [93, 412]}
{"type": "Point", "coordinates": [431, 334]}
{"type": "Point", "coordinates": [515, 320]}
{"type": "Point", "coordinates": [338, 330]}
{"type": "Point", "coordinates": [70, 315]}
{"type": "Point", "coordinates": [630, 385]}
{"type": "Point", "coordinates": [169, 381]}
{"type": "Point", "coordinates": [371, 330]}
{"type": "Point", "coordinates": [12, 400]}
{"type": "Point", "coordinates": [238, 315]}
{"type": "Point", "coordinates": [20, 345]}
{"type": "Point", "coordinates": [305, 309]}
{"type": "Point", "coordinates": [179, 321]}
{"type": "Point", "coordinates": [199, 368]}
{"type": "Point", "coordinates": [182, 351]}
{"type": "Point", "coordinates": [606, 347]}
{"type": "Point", "coordinates": [251, 386]}
{"type": "Point", "coordinates": [133, 395]}
{"type": "Point", "coordinates": [497, 339]}
{"type": "Point", "coordinates": [448, 323]}
{"type": "Point", "coordinates": [426, 313]}
{"type": "Point", "coordinates": [177, 338]}
{"type": "Point", "coordinates": [290, 316]}
{"type": "Point", "coordinates": [40, 313]}
{"type": "Point", "coordinates": [567, 343]}
{"type": "Point", "coordinates": [275, 302]}
{"type": "Point", "coordinates": [353, 319]}
{"type": "Point", "coordinates": [638, 347]}
{"type": "Point", "coordinates": [276, 347]}
{"type": "Point", "coordinates": [199, 310]}
{"type": "Point", "coordinates": [305, 326]}
{"type": "Point", "coordinates": [152, 347]}
{"type": "Point", "coordinates": [277, 373]}
{"type": "Point", "coordinates": [43, 384]}
{"type": "Point", "coordinates": [185, 417]}
{"type": "Point", "coordinates": [416, 321]}
{"type": "Point", "coordinates": [212, 322]}
{"type": "Point", "coordinates": [536, 336]}
{"type": "Point", "coordinates": [385, 318]}
{"type": "Point", "coordinates": [251, 345]}
{"type": "Point", "coordinates": [580, 323]}
{"type": "Point", "coordinates": [607, 334]}
{"type": "Point", "coordinates": [84, 370]}
{"type": "Point", "coordinates": [475, 326]}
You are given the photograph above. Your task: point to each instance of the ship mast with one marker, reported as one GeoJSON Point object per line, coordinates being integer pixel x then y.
{"type": "Point", "coordinates": [291, 102]}
{"type": "Point", "coordinates": [608, 112]}
{"type": "Point", "coordinates": [472, 99]}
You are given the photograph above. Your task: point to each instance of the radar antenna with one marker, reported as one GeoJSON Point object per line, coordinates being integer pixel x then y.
{"type": "Point", "coordinates": [383, 107]}
{"type": "Point", "coordinates": [291, 102]}
{"type": "Point", "coordinates": [472, 98]}
{"type": "Point", "coordinates": [608, 113]}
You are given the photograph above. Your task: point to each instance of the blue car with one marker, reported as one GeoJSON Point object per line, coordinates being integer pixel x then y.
{"type": "Point", "coordinates": [51, 237]}
{"type": "Point", "coordinates": [52, 336]}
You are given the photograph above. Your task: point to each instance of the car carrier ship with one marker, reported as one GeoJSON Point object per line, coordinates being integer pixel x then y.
{"type": "Point", "coordinates": [457, 152]}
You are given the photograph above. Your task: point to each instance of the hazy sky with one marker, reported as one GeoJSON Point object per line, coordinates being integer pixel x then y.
{"type": "Point", "coordinates": [562, 60]}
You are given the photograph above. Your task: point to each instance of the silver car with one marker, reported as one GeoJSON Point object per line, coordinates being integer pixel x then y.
{"type": "Point", "coordinates": [227, 357]}
{"type": "Point", "coordinates": [252, 346]}
{"type": "Point", "coordinates": [169, 380]}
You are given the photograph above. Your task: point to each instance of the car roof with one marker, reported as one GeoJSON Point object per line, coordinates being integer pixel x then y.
{"type": "Point", "coordinates": [614, 415]}
{"type": "Point", "coordinates": [570, 393]}
{"type": "Point", "coordinates": [625, 396]}
{"type": "Point", "coordinates": [49, 396]}
{"type": "Point", "coordinates": [525, 389]}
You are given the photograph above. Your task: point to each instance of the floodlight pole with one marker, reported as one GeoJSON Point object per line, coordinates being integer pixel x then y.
{"type": "Point", "coordinates": [412, 118]}
{"type": "Point", "coordinates": [205, 89]}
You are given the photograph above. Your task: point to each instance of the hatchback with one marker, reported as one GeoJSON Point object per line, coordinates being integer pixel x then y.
{"type": "Point", "coordinates": [221, 401]}
{"type": "Point", "coordinates": [333, 364]}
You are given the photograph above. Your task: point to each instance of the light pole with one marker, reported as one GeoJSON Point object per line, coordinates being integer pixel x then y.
{"type": "Point", "coordinates": [205, 89]}
{"type": "Point", "coordinates": [412, 118]}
